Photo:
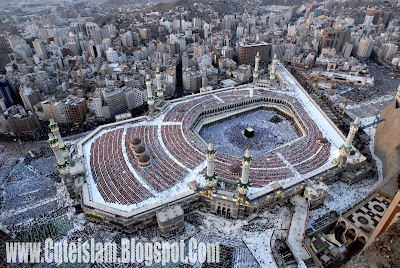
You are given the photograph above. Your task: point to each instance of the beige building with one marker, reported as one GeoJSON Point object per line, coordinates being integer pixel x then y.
{"type": "Point", "coordinates": [170, 220]}
{"type": "Point", "coordinates": [332, 38]}
{"type": "Point", "coordinates": [364, 48]}
{"type": "Point", "coordinates": [20, 121]}
{"type": "Point", "coordinates": [387, 144]}
{"type": "Point", "coordinates": [72, 109]}
{"type": "Point", "coordinates": [53, 109]}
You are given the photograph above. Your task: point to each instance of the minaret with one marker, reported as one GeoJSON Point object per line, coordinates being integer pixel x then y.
{"type": "Point", "coordinates": [272, 74]}
{"type": "Point", "coordinates": [160, 92]}
{"type": "Point", "coordinates": [398, 97]}
{"type": "Point", "coordinates": [150, 98]}
{"type": "Point", "coordinates": [210, 177]}
{"type": "Point", "coordinates": [62, 163]}
{"type": "Point", "coordinates": [203, 78]}
{"type": "Point", "coordinates": [346, 148]}
{"type": "Point", "coordinates": [244, 183]}
{"type": "Point", "coordinates": [256, 72]}
{"type": "Point", "coordinates": [56, 133]}
{"type": "Point", "coordinates": [61, 153]}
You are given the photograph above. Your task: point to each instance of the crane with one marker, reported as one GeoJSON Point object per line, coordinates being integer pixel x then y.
{"type": "Point", "coordinates": [310, 67]}
{"type": "Point", "coordinates": [331, 90]}
{"type": "Point", "coordinates": [317, 80]}
{"type": "Point", "coordinates": [344, 102]}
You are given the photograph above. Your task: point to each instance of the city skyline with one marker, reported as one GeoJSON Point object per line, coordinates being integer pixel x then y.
{"type": "Point", "coordinates": [269, 128]}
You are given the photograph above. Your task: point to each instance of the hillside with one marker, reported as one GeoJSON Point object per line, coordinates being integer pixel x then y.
{"type": "Point", "coordinates": [218, 6]}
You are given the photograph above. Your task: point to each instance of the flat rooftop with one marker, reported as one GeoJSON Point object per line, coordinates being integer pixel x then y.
{"type": "Point", "coordinates": [115, 178]}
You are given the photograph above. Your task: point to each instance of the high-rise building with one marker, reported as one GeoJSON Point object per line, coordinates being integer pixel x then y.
{"type": "Point", "coordinates": [75, 109]}
{"type": "Point", "coordinates": [100, 109]}
{"type": "Point", "coordinates": [114, 98]}
{"type": "Point", "coordinates": [90, 27]}
{"type": "Point", "coordinates": [247, 52]}
{"type": "Point", "coordinates": [20, 121]}
{"type": "Point", "coordinates": [126, 39]}
{"type": "Point", "coordinates": [40, 48]}
{"type": "Point", "coordinates": [191, 80]}
{"type": "Point", "coordinates": [111, 55]}
{"type": "Point", "coordinates": [347, 49]}
{"type": "Point", "coordinates": [180, 39]}
{"type": "Point", "coordinates": [389, 50]}
{"type": "Point", "coordinates": [227, 52]}
{"type": "Point", "coordinates": [368, 21]}
{"type": "Point", "coordinates": [29, 97]}
{"type": "Point", "coordinates": [144, 33]}
{"type": "Point", "coordinates": [53, 109]}
{"type": "Point", "coordinates": [4, 128]}
{"type": "Point", "coordinates": [5, 91]}
{"type": "Point", "coordinates": [364, 48]}
{"type": "Point", "coordinates": [133, 97]}
{"type": "Point", "coordinates": [14, 41]}
{"type": "Point", "coordinates": [379, 16]}
{"type": "Point", "coordinates": [334, 38]}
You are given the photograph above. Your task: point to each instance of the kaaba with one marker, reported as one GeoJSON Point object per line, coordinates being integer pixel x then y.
{"type": "Point", "coordinates": [249, 132]}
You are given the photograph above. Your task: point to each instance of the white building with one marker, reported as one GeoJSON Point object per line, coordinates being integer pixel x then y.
{"type": "Point", "coordinates": [389, 50]}
{"type": "Point", "coordinates": [133, 98]}
{"type": "Point", "coordinates": [39, 47]}
{"type": "Point", "coordinates": [180, 39]}
{"type": "Point", "coordinates": [111, 55]}
{"type": "Point", "coordinates": [365, 48]}
{"type": "Point", "coordinates": [29, 97]}
{"type": "Point", "coordinates": [100, 110]}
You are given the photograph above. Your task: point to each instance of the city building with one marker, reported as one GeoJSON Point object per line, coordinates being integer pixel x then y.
{"type": "Point", "coordinates": [29, 97]}
{"type": "Point", "coordinates": [248, 51]}
{"type": "Point", "coordinates": [333, 38]}
{"type": "Point", "coordinates": [21, 121]}
{"type": "Point", "coordinates": [364, 48]}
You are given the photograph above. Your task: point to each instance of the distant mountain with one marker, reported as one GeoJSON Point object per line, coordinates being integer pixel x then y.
{"type": "Point", "coordinates": [284, 2]}
{"type": "Point", "coordinates": [218, 6]}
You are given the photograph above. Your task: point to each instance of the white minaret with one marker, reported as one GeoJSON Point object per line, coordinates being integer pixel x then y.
{"type": "Point", "coordinates": [272, 73]}
{"type": "Point", "coordinates": [62, 163]}
{"type": "Point", "coordinates": [203, 78]}
{"type": "Point", "coordinates": [256, 65]}
{"type": "Point", "coordinates": [61, 152]}
{"type": "Point", "coordinates": [346, 148]}
{"type": "Point", "coordinates": [160, 92]}
{"type": "Point", "coordinates": [210, 177]}
{"type": "Point", "coordinates": [244, 183]}
{"type": "Point", "coordinates": [3, 105]}
{"type": "Point", "coordinates": [398, 97]}
{"type": "Point", "coordinates": [56, 133]}
{"type": "Point", "coordinates": [150, 98]}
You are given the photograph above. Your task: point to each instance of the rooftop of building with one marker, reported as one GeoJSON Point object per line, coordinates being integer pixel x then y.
{"type": "Point", "coordinates": [179, 154]}
{"type": "Point", "coordinates": [169, 213]}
